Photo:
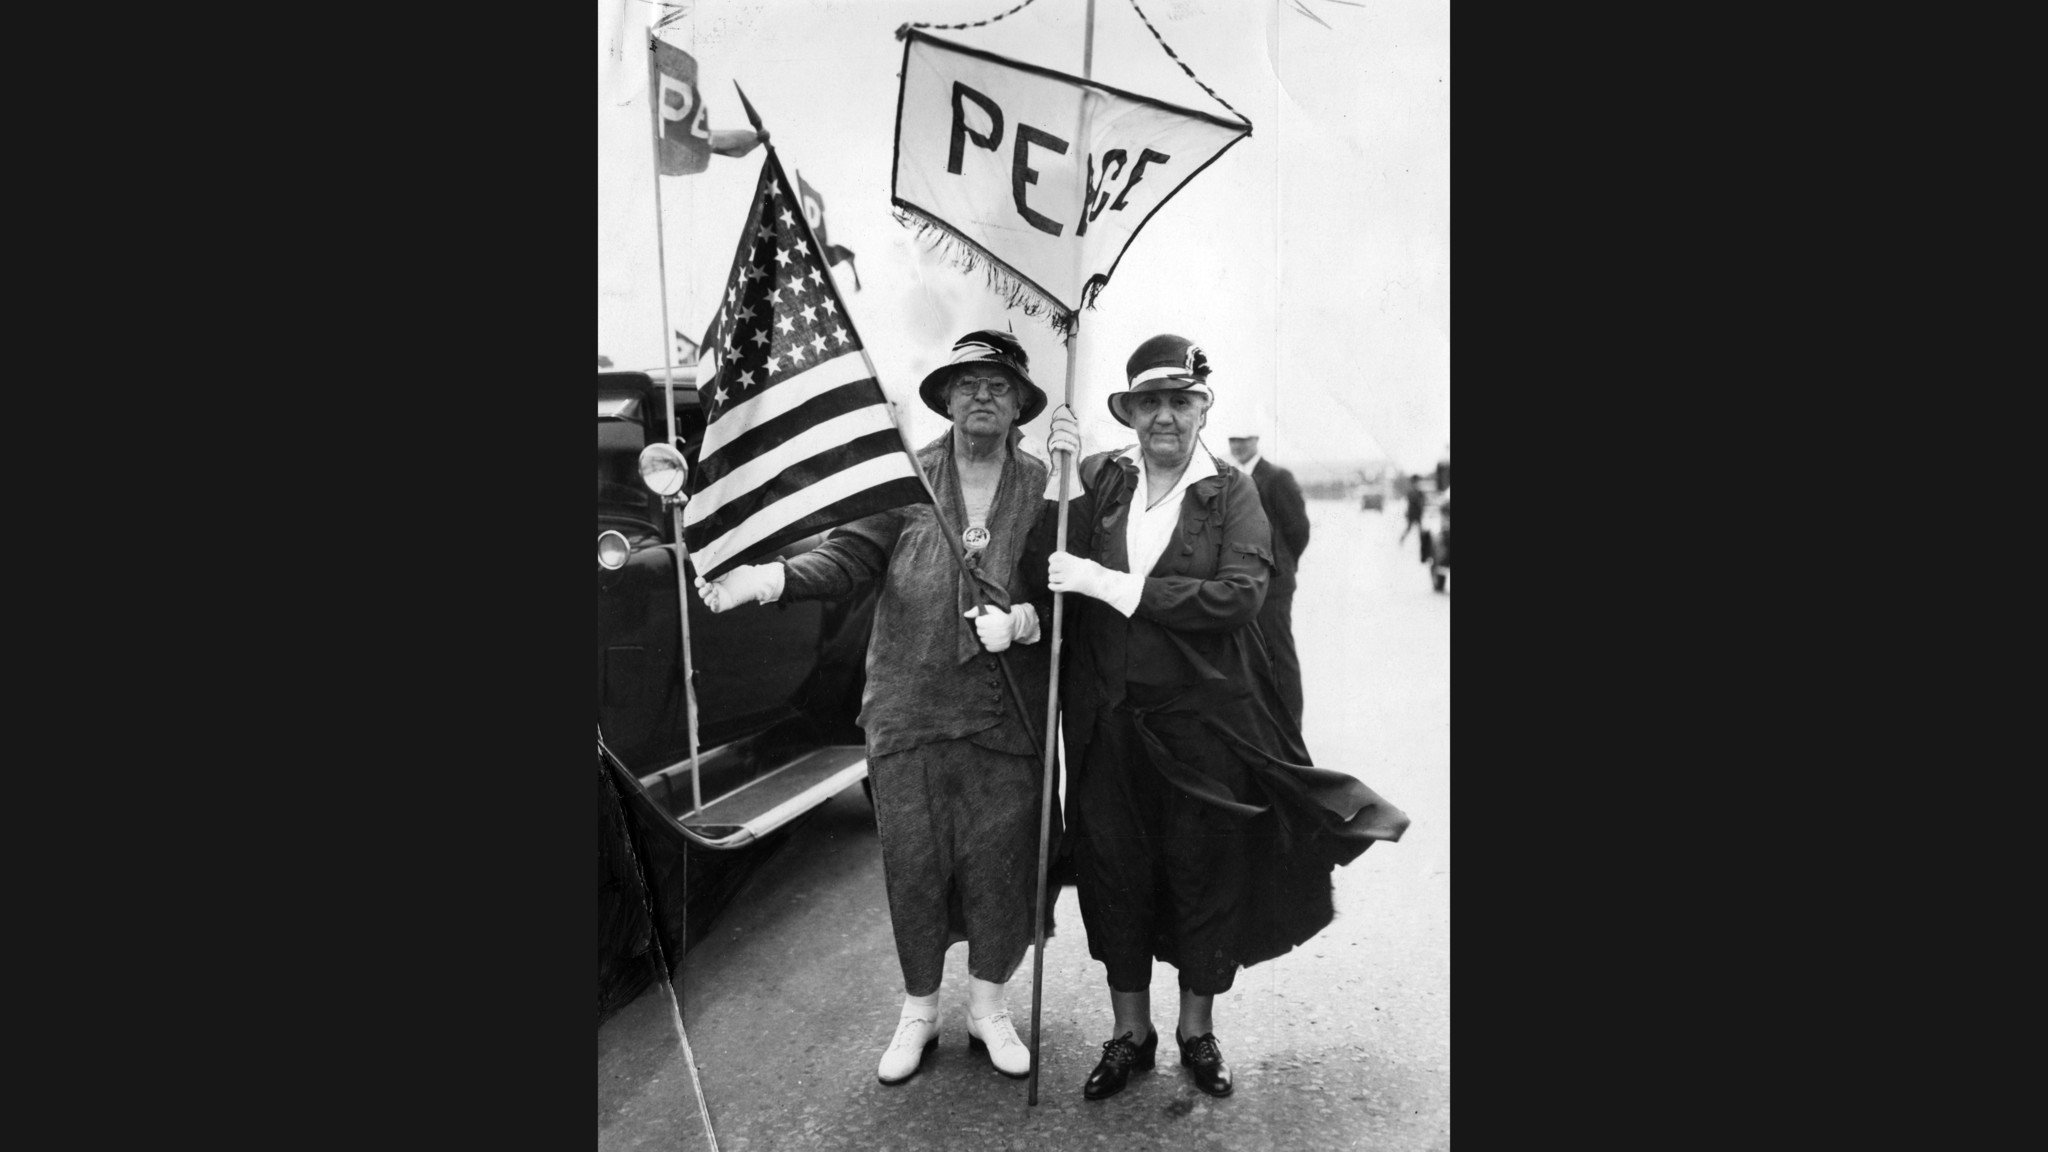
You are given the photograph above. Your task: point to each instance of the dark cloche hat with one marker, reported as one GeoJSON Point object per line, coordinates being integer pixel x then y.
{"type": "Point", "coordinates": [1164, 363]}
{"type": "Point", "coordinates": [986, 347]}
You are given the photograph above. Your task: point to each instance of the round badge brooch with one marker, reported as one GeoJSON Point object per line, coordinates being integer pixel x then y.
{"type": "Point", "coordinates": [975, 538]}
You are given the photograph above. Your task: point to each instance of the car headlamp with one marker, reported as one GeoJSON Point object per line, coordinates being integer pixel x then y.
{"type": "Point", "coordinates": [612, 550]}
{"type": "Point", "coordinates": [662, 469]}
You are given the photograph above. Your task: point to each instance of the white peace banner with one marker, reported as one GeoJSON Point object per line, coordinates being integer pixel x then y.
{"type": "Point", "coordinates": [985, 150]}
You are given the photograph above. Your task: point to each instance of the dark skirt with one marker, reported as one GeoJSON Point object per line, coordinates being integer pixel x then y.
{"type": "Point", "coordinates": [959, 829]}
{"type": "Point", "coordinates": [1202, 836]}
{"type": "Point", "coordinates": [1160, 873]}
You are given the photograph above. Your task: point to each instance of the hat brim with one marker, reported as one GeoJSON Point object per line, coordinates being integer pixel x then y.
{"type": "Point", "coordinates": [1160, 384]}
{"type": "Point", "coordinates": [933, 390]}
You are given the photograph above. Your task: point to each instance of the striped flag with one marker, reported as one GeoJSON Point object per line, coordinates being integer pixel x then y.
{"type": "Point", "coordinates": [798, 435]}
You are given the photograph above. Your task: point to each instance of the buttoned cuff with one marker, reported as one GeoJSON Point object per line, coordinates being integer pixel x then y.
{"type": "Point", "coordinates": [1024, 625]}
{"type": "Point", "coordinates": [1125, 589]}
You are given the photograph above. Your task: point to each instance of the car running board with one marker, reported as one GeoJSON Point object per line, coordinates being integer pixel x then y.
{"type": "Point", "coordinates": [762, 805]}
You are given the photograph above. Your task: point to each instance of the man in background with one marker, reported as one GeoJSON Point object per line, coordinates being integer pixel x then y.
{"type": "Point", "coordinates": [1281, 497]}
{"type": "Point", "coordinates": [1415, 502]}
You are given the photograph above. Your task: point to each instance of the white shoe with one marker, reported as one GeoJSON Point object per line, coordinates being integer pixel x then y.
{"type": "Point", "coordinates": [995, 1034]}
{"type": "Point", "coordinates": [915, 1036]}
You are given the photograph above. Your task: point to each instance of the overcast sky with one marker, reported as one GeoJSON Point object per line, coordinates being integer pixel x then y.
{"type": "Point", "coordinates": [1311, 262]}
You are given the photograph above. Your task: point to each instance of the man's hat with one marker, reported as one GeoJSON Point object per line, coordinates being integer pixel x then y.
{"type": "Point", "coordinates": [1162, 364]}
{"type": "Point", "coordinates": [986, 348]}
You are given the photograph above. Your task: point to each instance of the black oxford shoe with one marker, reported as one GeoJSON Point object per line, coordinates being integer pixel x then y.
{"type": "Point", "coordinates": [1120, 1058]}
{"type": "Point", "coordinates": [1205, 1058]}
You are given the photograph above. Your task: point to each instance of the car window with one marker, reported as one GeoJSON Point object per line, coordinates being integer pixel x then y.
{"type": "Point", "coordinates": [620, 491]}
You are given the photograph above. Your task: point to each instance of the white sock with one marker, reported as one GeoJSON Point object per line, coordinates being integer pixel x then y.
{"type": "Point", "coordinates": [983, 998]}
{"type": "Point", "coordinates": [922, 1007]}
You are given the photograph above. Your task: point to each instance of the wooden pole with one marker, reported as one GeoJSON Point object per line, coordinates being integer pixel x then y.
{"type": "Point", "coordinates": [669, 391]}
{"type": "Point", "coordinates": [1065, 462]}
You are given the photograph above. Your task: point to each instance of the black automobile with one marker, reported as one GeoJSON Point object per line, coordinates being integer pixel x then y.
{"type": "Point", "coordinates": [777, 690]}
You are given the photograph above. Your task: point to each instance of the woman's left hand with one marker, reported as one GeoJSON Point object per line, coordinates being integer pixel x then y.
{"type": "Point", "coordinates": [999, 629]}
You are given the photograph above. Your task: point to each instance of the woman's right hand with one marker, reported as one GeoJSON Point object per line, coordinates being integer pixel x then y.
{"type": "Point", "coordinates": [1078, 575]}
{"type": "Point", "coordinates": [1066, 432]}
{"type": "Point", "coordinates": [1064, 437]}
{"type": "Point", "coordinates": [746, 584]}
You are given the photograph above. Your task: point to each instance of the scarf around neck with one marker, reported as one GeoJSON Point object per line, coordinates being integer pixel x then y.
{"type": "Point", "coordinates": [1007, 525]}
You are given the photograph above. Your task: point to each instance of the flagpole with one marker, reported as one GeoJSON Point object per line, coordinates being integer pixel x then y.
{"type": "Point", "coordinates": [669, 390]}
{"type": "Point", "coordinates": [1065, 461]}
{"type": "Point", "coordinates": [675, 507]}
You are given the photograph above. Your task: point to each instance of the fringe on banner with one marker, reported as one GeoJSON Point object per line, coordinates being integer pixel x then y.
{"type": "Point", "coordinates": [1016, 292]}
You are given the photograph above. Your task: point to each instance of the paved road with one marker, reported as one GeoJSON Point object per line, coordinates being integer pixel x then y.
{"type": "Point", "coordinates": [1343, 1043]}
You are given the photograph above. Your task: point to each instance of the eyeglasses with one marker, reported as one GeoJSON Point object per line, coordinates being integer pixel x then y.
{"type": "Point", "coordinates": [966, 389]}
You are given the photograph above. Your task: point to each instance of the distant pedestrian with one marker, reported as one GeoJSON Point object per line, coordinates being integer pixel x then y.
{"type": "Point", "coordinates": [1288, 514]}
{"type": "Point", "coordinates": [1415, 502]}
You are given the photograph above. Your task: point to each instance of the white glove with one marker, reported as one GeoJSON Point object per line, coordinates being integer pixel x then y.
{"type": "Point", "coordinates": [1119, 590]}
{"type": "Point", "coordinates": [999, 629]}
{"type": "Point", "coordinates": [1066, 432]}
{"type": "Point", "coordinates": [746, 584]}
{"type": "Point", "coordinates": [1064, 437]}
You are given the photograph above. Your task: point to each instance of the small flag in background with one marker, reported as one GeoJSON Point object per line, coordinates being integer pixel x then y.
{"type": "Point", "coordinates": [814, 213]}
{"type": "Point", "coordinates": [685, 148]}
{"type": "Point", "coordinates": [798, 435]}
{"type": "Point", "coordinates": [686, 350]}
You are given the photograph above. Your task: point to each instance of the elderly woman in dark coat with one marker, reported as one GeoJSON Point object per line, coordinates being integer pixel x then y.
{"type": "Point", "coordinates": [956, 783]}
{"type": "Point", "coordinates": [1200, 833]}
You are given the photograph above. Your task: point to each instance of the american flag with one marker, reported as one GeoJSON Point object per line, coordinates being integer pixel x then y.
{"type": "Point", "coordinates": [798, 436]}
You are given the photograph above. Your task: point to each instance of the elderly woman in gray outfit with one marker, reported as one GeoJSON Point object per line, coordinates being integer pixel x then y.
{"type": "Point", "coordinates": [956, 780]}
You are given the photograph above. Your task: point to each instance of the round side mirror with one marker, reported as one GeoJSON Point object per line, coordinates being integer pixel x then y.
{"type": "Point", "coordinates": [612, 550]}
{"type": "Point", "coordinates": [662, 469]}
